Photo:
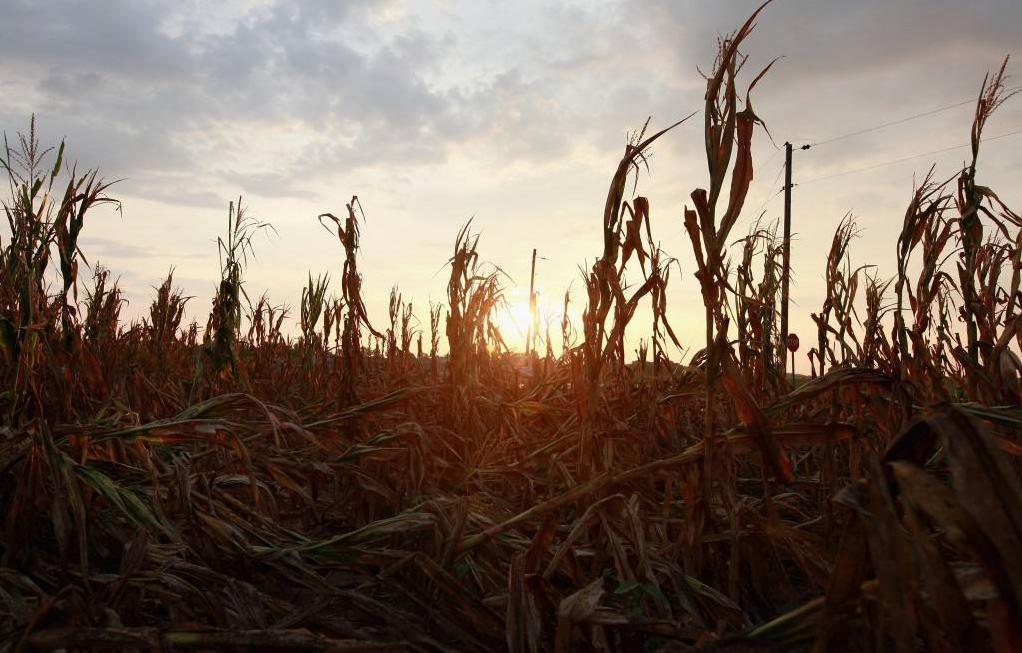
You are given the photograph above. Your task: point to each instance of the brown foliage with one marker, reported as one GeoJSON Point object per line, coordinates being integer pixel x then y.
{"type": "Point", "coordinates": [360, 495]}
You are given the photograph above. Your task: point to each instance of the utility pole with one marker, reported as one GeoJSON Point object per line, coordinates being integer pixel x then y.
{"type": "Point", "coordinates": [786, 257]}
{"type": "Point", "coordinates": [786, 252]}
{"type": "Point", "coordinates": [533, 322]}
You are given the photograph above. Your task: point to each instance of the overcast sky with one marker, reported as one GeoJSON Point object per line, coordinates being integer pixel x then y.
{"type": "Point", "coordinates": [512, 112]}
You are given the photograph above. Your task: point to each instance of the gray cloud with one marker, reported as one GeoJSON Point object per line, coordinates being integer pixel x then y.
{"type": "Point", "coordinates": [101, 249]}
{"type": "Point", "coordinates": [134, 97]}
{"type": "Point", "coordinates": [847, 38]}
{"type": "Point", "coordinates": [145, 87]}
{"type": "Point", "coordinates": [436, 111]}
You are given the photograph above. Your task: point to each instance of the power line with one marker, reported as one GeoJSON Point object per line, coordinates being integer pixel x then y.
{"type": "Point", "coordinates": [777, 151]}
{"type": "Point", "coordinates": [892, 123]}
{"type": "Point", "coordinates": [769, 197]}
{"type": "Point", "coordinates": [780, 169]}
{"type": "Point", "coordinates": [906, 158]}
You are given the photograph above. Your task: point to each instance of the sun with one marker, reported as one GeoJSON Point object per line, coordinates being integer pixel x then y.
{"type": "Point", "coordinates": [513, 319]}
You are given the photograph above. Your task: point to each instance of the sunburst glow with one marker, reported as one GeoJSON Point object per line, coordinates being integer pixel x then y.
{"type": "Point", "coordinates": [513, 319]}
{"type": "Point", "coordinates": [514, 316]}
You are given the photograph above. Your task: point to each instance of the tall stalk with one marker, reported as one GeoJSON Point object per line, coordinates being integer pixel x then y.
{"type": "Point", "coordinates": [970, 207]}
{"type": "Point", "coordinates": [351, 289]}
{"type": "Point", "coordinates": [728, 139]}
{"type": "Point", "coordinates": [605, 284]}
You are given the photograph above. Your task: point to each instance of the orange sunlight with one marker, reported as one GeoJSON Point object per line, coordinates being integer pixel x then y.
{"type": "Point", "coordinates": [513, 318]}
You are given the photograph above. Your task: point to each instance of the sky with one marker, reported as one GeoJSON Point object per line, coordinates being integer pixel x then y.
{"type": "Point", "coordinates": [513, 114]}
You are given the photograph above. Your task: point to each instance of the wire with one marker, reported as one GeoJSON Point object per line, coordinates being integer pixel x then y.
{"type": "Point", "coordinates": [766, 163]}
{"type": "Point", "coordinates": [892, 123]}
{"type": "Point", "coordinates": [906, 158]}
{"type": "Point", "coordinates": [771, 158]}
{"type": "Point", "coordinates": [772, 184]}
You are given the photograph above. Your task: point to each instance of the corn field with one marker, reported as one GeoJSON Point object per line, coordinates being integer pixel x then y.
{"type": "Point", "coordinates": [345, 486]}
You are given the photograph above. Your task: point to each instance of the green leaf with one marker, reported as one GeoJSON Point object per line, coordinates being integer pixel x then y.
{"type": "Point", "coordinates": [654, 591]}
{"type": "Point", "coordinates": [627, 586]}
{"type": "Point", "coordinates": [60, 159]}
{"type": "Point", "coordinates": [121, 498]}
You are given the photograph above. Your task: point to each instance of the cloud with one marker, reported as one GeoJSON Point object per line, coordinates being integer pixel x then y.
{"type": "Point", "coordinates": [101, 249]}
{"type": "Point", "coordinates": [288, 92]}
{"type": "Point", "coordinates": [296, 91]}
{"type": "Point", "coordinates": [140, 98]}
{"type": "Point", "coordinates": [841, 38]}
{"type": "Point", "coordinates": [515, 112]}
